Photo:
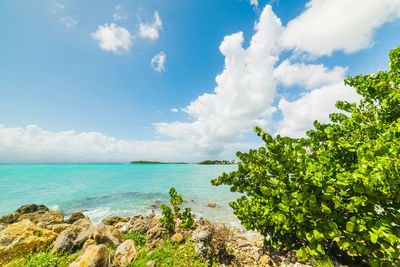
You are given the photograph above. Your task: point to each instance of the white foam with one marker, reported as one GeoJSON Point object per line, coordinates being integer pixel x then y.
{"type": "Point", "coordinates": [54, 207]}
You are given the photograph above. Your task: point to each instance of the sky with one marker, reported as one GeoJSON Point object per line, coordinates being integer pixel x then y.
{"type": "Point", "coordinates": [172, 80]}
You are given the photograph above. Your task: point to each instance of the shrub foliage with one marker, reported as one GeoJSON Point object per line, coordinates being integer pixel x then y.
{"type": "Point", "coordinates": [336, 191]}
{"type": "Point", "coordinates": [176, 200]}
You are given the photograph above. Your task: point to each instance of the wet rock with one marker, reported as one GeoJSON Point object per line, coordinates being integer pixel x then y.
{"type": "Point", "coordinates": [22, 238]}
{"type": "Point", "coordinates": [31, 208]}
{"type": "Point", "coordinates": [114, 220]}
{"type": "Point", "coordinates": [202, 234]}
{"type": "Point", "coordinates": [125, 253]}
{"type": "Point", "coordinates": [94, 256]}
{"type": "Point", "coordinates": [177, 238]}
{"type": "Point", "coordinates": [75, 217]}
{"type": "Point", "coordinates": [64, 242]}
{"type": "Point", "coordinates": [212, 205]}
{"type": "Point", "coordinates": [154, 206]}
{"type": "Point", "coordinates": [107, 233]}
{"type": "Point", "coordinates": [83, 237]}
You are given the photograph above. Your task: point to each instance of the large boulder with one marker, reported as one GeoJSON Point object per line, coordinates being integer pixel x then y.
{"type": "Point", "coordinates": [107, 233]}
{"type": "Point", "coordinates": [84, 223]}
{"type": "Point", "coordinates": [64, 242]}
{"type": "Point", "coordinates": [83, 237]}
{"type": "Point", "coordinates": [22, 238]}
{"type": "Point", "coordinates": [61, 227]}
{"type": "Point", "coordinates": [94, 256]}
{"type": "Point", "coordinates": [125, 253]}
{"type": "Point", "coordinates": [43, 217]}
{"type": "Point", "coordinates": [31, 208]}
{"type": "Point", "coordinates": [74, 217]}
{"type": "Point", "coordinates": [142, 222]}
{"type": "Point", "coordinates": [114, 220]}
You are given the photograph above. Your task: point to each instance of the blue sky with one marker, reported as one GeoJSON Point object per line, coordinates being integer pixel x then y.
{"type": "Point", "coordinates": [118, 80]}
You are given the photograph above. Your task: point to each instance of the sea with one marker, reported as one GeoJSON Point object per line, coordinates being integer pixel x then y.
{"type": "Point", "coordinates": [104, 190]}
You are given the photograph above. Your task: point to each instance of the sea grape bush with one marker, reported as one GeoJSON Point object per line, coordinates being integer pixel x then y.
{"type": "Point", "coordinates": [168, 219]}
{"type": "Point", "coordinates": [337, 191]}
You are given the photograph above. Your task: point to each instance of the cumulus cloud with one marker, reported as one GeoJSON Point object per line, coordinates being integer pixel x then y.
{"type": "Point", "coordinates": [244, 93]}
{"type": "Point", "coordinates": [158, 62]}
{"type": "Point", "coordinates": [299, 115]}
{"type": "Point", "coordinates": [308, 75]}
{"type": "Point", "coordinates": [68, 21]}
{"type": "Point", "coordinates": [119, 13]}
{"type": "Point", "coordinates": [329, 25]}
{"type": "Point", "coordinates": [174, 109]}
{"type": "Point", "coordinates": [57, 7]}
{"type": "Point", "coordinates": [33, 144]}
{"type": "Point", "coordinates": [113, 38]}
{"type": "Point", "coordinates": [151, 30]}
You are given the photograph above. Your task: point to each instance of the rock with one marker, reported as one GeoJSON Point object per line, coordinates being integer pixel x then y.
{"type": "Point", "coordinates": [88, 243]}
{"type": "Point", "coordinates": [202, 234]}
{"type": "Point", "coordinates": [9, 218]}
{"type": "Point", "coordinates": [155, 235]}
{"type": "Point", "coordinates": [64, 242]}
{"type": "Point", "coordinates": [141, 223]}
{"type": "Point", "coordinates": [22, 238]}
{"type": "Point", "coordinates": [83, 237]}
{"type": "Point", "coordinates": [31, 208]}
{"type": "Point", "coordinates": [151, 263]}
{"type": "Point", "coordinates": [94, 256]}
{"type": "Point", "coordinates": [154, 206]}
{"type": "Point", "coordinates": [125, 253]}
{"type": "Point", "coordinates": [123, 227]}
{"type": "Point", "coordinates": [114, 220]}
{"type": "Point", "coordinates": [44, 217]}
{"type": "Point", "coordinates": [177, 238]}
{"type": "Point", "coordinates": [107, 233]}
{"type": "Point", "coordinates": [84, 223]}
{"type": "Point", "coordinates": [58, 228]}
{"type": "Point", "coordinates": [74, 217]}
{"type": "Point", "coordinates": [212, 205]}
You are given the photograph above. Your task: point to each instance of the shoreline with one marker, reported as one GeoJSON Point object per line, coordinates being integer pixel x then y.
{"type": "Point", "coordinates": [52, 230]}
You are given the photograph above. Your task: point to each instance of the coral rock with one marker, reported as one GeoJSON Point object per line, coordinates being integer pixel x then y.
{"type": "Point", "coordinates": [94, 256]}
{"type": "Point", "coordinates": [125, 253]}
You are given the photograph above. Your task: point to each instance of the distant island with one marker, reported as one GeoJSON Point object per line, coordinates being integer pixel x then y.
{"type": "Point", "coordinates": [218, 162]}
{"type": "Point", "coordinates": [154, 162]}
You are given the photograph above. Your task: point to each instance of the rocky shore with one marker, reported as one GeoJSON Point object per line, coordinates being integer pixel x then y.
{"type": "Point", "coordinates": [33, 228]}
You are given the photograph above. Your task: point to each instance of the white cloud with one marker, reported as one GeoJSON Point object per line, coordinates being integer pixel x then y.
{"type": "Point", "coordinates": [120, 13]}
{"type": "Point", "coordinates": [151, 30]}
{"type": "Point", "coordinates": [68, 21]}
{"type": "Point", "coordinates": [299, 115]}
{"type": "Point", "coordinates": [57, 7]}
{"type": "Point", "coordinates": [329, 25]}
{"type": "Point", "coordinates": [308, 75]}
{"type": "Point", "coordinates": [254, 3]}
{"type": "Point", "coordinates": [158, 62]}
{"type": "Point", "coordinates": [244, 93]}
{"type": "Point", "coordinates": [174, 109]}
{"type": "Point", "coordinates": [113, 38]}
{"type": "Point", "coordinates": [33, 144]}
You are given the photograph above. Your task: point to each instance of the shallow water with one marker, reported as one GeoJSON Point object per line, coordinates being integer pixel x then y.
{"type": "Point", "coordinates": [104, 190]}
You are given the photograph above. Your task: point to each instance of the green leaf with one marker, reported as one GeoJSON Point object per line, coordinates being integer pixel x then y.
{"type": "Point", "coordinates": [350, 226]}
{"type": "Point", "coordinates": [373, 237]}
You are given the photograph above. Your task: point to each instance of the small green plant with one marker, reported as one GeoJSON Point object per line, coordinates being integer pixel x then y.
{"type": "Point", "coordinates": [168, 217]}
{"type": "Point", "coordinates": [137, 237]}
{"type": "Point", "coordinates": [187, 219]}
{"type": "Point", "coordinates": [45, 258]}
{"type": "Point", "coordinates": [175, 200]}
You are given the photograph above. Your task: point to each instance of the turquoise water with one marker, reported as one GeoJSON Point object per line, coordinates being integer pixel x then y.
{"type": "Point", "coordinates": [104, 190]}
